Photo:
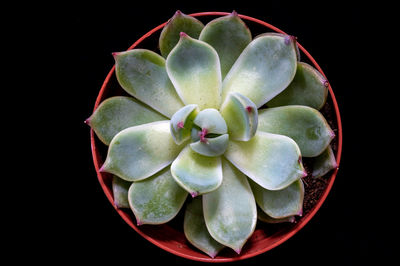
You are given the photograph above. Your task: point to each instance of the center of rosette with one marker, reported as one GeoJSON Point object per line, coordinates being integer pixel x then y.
{"type": "Point", "coordinates": [206, 129]}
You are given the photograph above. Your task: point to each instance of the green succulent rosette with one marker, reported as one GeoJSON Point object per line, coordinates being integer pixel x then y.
{"type": "Point", "coordinates": [196, 123]}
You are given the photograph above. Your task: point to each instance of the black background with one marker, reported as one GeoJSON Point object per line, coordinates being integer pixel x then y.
{"type": "Point", "coordinates": [77, 224]}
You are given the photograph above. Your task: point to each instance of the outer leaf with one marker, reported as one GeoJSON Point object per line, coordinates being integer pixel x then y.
{"type": "Point", "coordinates": [178, 23]}
{"type": "Point", "coordinates": [308, 88]}
{"type": "Point", "coordinates": [120, 192]}
{"type": "Point", "coordinates": [241, 116]}
{"type": "Point", "coordinates": [324, 163]}
{"type": "Point", "coordinates": [120, 112]}
{"type": "Point", "coordinates": [272, 161]}
{"type": "Point", "coordinates": [303, 124]}
{"type": "Point", "coordinates": [141, 151]}
{"type": "Point", "coordinates": [194, 69]}
{"type": "Point", "coordinates": [142, 74]}
{"type": "Point", "coordinates": [228, 35]}
{"type": "Point", "coordinates": [182, 122]}
{"type": "Point", "coordinates": [262, 216]}
{"type": "Point", "coordinates": [157, 199]}
{"type": "Point", "coordinates": [230, 211]}
{"type": "Point", "coordinates": [196, 173]}
{"type": "Point", "coordinates": [211, 120]}
{"type": "Point", "coordinates": [282, 203]}
{"type": "Point", "coordinates": [212, 146]}
{"type": "Point", "coordinates": [264, 69]}
{"type": "Point", "coordinates": [195, 229]}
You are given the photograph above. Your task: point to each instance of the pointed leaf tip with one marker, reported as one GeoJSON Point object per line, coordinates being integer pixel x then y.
{"type": "Point", "coordinates": [183, 34]}
{"type": "Point", "coordinates": [194, 194]}
{"type": "Point", "coordinates": [87, 121]}
{"type": "Point", "coordinates": [238, 250]}
{"type": "Point", "coordinates": [289, 39]}
{"type": "Point", "coordinates": [234, 13]}
{"type": "Point", "coordinates": [102, 168]}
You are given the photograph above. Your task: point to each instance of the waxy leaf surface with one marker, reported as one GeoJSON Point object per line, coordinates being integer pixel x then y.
{"type": "Point", "coordinates": [196, 231]}
{"type": "Point", "coordinates": [120, 112]}
{"type": "Point", "coordinates": [180, 22]}
{"type": "Point", "coordinates": [262, 216]}
{"type": "Point", "coordinates": [229, 36]}
{"type": "Point", "coordinates": [141, 151]}
{"type": "Point", "coordinates": [271, 160]}
{"type": "Point", "coordinates": [241, 116]}
{"type": "Point", "coordinates": [182, 122]}
{"type": "Point", "coordinates": [120, 189]}
{"type": "Point", "coordinates": [212, 146]}
{"type": "Point", "coordinates": [324, 162]}
{"type": "Point", "coordinates": [211, 120]}
{"type": "Point", "coordinates": [157, 199]}
{"type": "Point", "coordinates": [196, 173]}
{"type": "Point", "coordinates": [230, 211]}
{"type": "Point", "coordinates": [280, 203]}
{"type": "Point", "coordinates": [194, 69]}
{"type": "Point", "coordinates": [305, 125]}
{"type": "Point", "coordinates": [142, 74]}
{"type": "Point", "coordinates": [263, 70]}
{"type": "Point", "coordinates": [308, 87]}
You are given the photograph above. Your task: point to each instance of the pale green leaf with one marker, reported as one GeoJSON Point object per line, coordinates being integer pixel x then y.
{"type": "Point", "coordinates": [305, 125]}
{"type": "Point", "coordinates": [272, 161]}
{"type": "Point", "coordinates": [138, 152]}
{"type": "Point", "coordinates": [157, 199]}
{"type": "Point", "coordinates": [196, 173]}
{"type": "Point", "coordinates": [230, 211]}
{"type": "Point", "coordinates": [263, 70]}
{"type": "Point", "coordinates": [194, 68]}
{"type": "Point", "coordinates": [142, 74]}
{"type": "Point", "coordinates": [195, 229]}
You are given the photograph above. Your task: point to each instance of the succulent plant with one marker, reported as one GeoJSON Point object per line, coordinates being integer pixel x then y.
{"type": "Point", "coordinates": [220, 116]}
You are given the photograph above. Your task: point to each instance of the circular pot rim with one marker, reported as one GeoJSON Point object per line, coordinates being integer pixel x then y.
{"type": "Point", "coordinates": [244, 255]}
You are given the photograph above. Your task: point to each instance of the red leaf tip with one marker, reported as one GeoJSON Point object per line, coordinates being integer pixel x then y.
{"type": "Point", "coordinates": [289, 39]}
{"type": "Point", "coordinates": [234, 13]}
{"type": "Point", "coordinates": [180, 124]}
{"type": "Point", "coordinates": [87, 121]}
{"type": "Point", "coordinates": [183, 35]}
{"type": "Point", "coordinates": [194, 194]}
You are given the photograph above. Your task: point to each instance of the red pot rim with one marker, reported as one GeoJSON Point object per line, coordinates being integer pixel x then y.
{"type": "Point", "coordinates": [175, 247]}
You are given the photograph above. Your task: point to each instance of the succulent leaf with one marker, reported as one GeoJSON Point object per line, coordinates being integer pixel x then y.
{"type": "Point", "coordinates": [120, 112]}
{"type": "Point", "coordinates": [138, 152]}
{"type": "Point", "coordinates": [230, 211]}
{"type": "Point", "coordinates": [305, 125]}
{"type": "Point", "coordinates": [270, 160]}
{"type": "Point", "coordinates": [142, 74]}
{"type": "Point", "coordinates": [120, 189]}
{"type": "Point", "coordinates": [211, 120]}
{"type": "Point", "coordinates": [194, 68]}
{"type": "Point", "coordinates": [228, 35]}
{"type": "Point", "coordinates": [262, 216]}
{"type": "Point", "coordinates": [178, 23]}
{"type": "Point", "coordinates": [182, 122]}
{"type": "Point", "coordinates": [195, 229]}
{"type": "Point", "coordinates": [324, 162]}
{"type": "Point", "coordinates": [157, 199]}
{"type": "Point", "coordinates": [309, 87]}
{"type": "Point", "coordinates": [282, 203]}
{"type": "Point", "coordinates": [264, 69]}
{"type": "Point", "coordinates": [211, 146]}
{"type": "Point", "coordinates": [196, 173]}
{"type": "Point", "coordinates": [241, 116]}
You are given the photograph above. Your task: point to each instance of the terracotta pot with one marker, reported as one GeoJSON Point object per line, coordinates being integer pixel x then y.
{"type": "Point", "coordinates": [169, 237]}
